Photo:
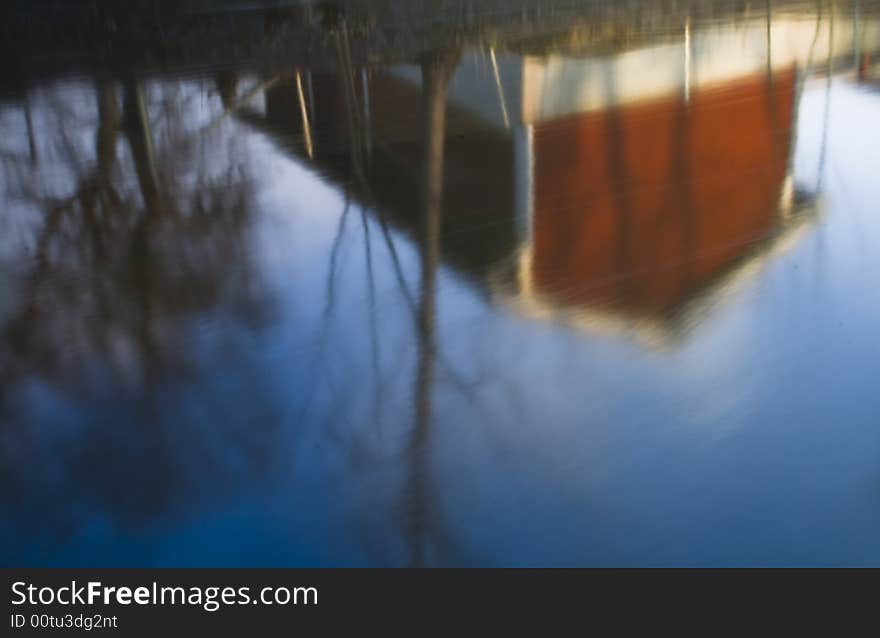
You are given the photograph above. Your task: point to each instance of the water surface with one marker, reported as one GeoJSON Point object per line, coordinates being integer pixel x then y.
{"type": "Point", "coordinates": [558, 290]}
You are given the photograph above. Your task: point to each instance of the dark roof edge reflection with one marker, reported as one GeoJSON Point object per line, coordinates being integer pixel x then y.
{"type": "Point", "coordinates": [116, 39]}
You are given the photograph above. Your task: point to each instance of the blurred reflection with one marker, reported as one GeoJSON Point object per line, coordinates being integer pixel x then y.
{"type": "Point", "coordinates": [636, 210]}
{"type": "Point", "coordinates": [131, 241]}
{"type": "Point", "coordinates": [594, 192]}
{"type": "Point", "coordinates": [194, 314]}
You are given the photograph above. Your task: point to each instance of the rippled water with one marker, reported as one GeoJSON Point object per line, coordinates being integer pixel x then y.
{"type": "Point", "coordinates": [548, 292]}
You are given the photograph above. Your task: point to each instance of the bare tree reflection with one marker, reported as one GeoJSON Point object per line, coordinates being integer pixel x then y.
{"type": "Point", "coordinates": [437, 71]}
{"type": "Point", "coordinates": [121, 267]}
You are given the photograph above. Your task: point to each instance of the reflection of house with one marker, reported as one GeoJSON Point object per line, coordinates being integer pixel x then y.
{"type": "Point", "coordinates": [642, 193]}
{"type": "Point", "coordinates": [624, 186]}
{"type": "Point", "coordinates": [636, 211]}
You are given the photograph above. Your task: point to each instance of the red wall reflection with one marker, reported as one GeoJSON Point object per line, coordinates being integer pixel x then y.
{"type": "Point", "coordinates": [639, 207]}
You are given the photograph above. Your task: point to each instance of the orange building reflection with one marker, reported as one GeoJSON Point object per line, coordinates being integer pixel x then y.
{"type": "Point", "coordinates": [639, 207]}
